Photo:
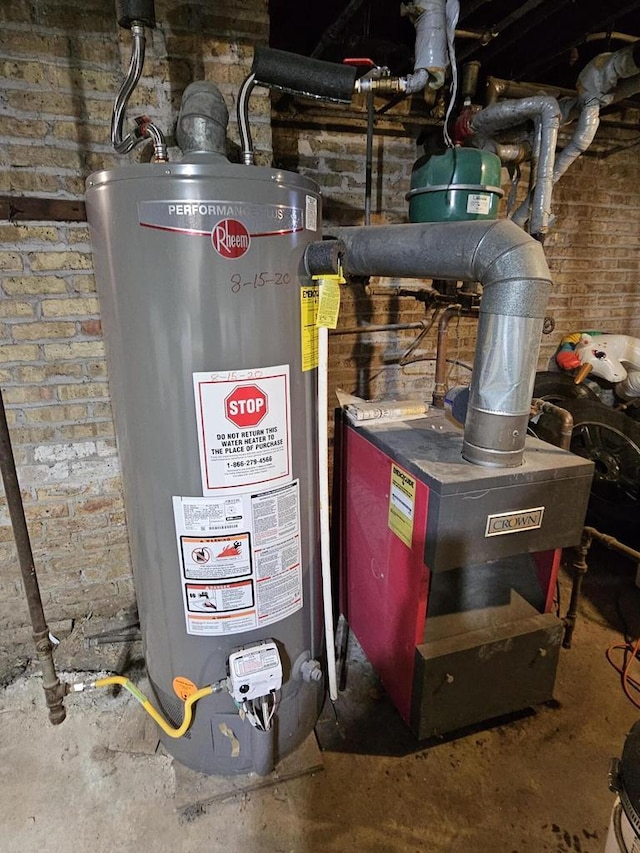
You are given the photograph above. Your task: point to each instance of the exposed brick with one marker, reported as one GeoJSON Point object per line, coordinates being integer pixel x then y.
{"type": "Point", "coordinates": [59, 261]}
{"type": "Point", "coordinates": [69, 307]}
{"type": "Point", "coordinates": [10, 261]}
{"type": "Point", "coordinates": [83, 390]}
{"type": "Point", "coordinates": [41, 331]}
{"type": "Point", "coordinates": [79, 349]}
{"type": "Point", "coordinates": [18, 352]}
{"type": "Point", "coordinates": [61, 67]}
{"type": "Point", "coordinates": [33, 285]}
{"type": "Point", "coordinates": [13, 308]}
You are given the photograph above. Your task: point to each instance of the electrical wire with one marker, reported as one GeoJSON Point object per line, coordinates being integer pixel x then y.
{"type": "Point", "coordinates": [628, 682]}
{"type": "Point", "coordinates": [452, 14]}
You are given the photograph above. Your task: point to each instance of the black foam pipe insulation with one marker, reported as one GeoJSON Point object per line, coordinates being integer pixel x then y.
{"type": "Point", "coordinates": [301, 75]}
{"type": "Point", "coordinates": [142, 12]}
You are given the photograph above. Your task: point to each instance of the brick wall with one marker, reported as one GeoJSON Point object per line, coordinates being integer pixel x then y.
{"type": "Point", "coordinates": [61, 62]}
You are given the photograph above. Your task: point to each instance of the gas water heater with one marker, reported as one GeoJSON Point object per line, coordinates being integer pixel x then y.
{"type": "Point", "coordinates": [211, 364]}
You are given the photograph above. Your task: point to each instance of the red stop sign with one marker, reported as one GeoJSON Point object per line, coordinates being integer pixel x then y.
{"type": "Point", "coordinates": [245, 406]}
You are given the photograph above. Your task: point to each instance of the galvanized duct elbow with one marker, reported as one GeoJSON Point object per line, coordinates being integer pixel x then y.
{"type": "Point", "coordinates": [512, 269]}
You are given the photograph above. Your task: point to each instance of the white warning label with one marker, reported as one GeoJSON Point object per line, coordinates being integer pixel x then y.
{"type": "Point", "coordinates": [244, 428]}
{"type": "Point", "coordinates": [250, 573]}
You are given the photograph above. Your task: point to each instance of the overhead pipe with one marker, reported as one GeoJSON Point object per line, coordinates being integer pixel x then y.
{"type": "Point", "coordinates": [512, 269]}
{"type": "Point", "coordinates": [497, 88]}
{"type": "Point", "coordinates": [298, 75]}
{"type": "Point", "coordinates": [431, 51]}
{"type": "Point", "coordinates": [545, 113]}
{"type": "Point", "coordinates": [596, 87]}
{"type": "Point", "coordinates": [435, 22]}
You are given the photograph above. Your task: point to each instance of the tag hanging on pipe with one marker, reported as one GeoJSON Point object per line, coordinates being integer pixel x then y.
{"type": "Point", "coordinates": [329, 300]}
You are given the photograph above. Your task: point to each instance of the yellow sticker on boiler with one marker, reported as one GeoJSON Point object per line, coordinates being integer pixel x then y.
{"type": "Point", "coordinates": [402, 504]}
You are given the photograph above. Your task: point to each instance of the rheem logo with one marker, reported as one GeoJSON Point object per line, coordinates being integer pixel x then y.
{"type": "Point", "coordinates": [230, 239]}
{"type": "Point", "coordinates": [246, 406]}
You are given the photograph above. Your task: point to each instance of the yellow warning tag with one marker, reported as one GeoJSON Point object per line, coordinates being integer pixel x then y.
{"type": "Point", "coordinates": [308, 330]}
{"type": "Point", "coordinates": [329, 305]}
{"type": "Point", "coordinates": [183, 688]}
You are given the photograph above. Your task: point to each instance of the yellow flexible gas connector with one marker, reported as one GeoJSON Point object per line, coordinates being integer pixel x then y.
{"type": "Point", "coordinates": [148, 707]}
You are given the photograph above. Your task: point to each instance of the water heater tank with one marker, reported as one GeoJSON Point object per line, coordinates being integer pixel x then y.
{"type": "Point", "coordinates": [208, 323]}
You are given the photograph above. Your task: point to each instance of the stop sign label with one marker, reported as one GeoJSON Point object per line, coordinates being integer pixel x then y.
{"type": "Point", "coordinates": [246, 406]}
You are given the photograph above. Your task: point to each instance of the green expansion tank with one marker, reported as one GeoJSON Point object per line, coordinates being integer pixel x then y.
{"type": "Point", "coordinates": [461, 184]}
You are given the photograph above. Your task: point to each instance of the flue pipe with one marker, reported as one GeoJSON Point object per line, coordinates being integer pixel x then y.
{"type": "Point", "coordinates": [516, 282]}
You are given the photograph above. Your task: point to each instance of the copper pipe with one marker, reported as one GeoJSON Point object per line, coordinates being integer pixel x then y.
{"type": "Point", "coordinates": [441, 351]}
{"type": "Point", "coordinates": [383, 327]}
{"type": "Point", "coordinates": [498, 88]}
{"type": "Point", "coordinates": [565, 418]}
{"type": "Point", "coordinates": [616, 36]}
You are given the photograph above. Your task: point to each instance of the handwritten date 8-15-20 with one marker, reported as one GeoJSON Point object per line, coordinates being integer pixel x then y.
{"type": "Point", "coordinates": [260, 279]}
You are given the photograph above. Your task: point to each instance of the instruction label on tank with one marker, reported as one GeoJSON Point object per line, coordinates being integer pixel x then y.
{"type": "Point", "coordinates": [309, 299]}
{"type": "Point", "coordinates": [244, 428]}
{"type": "Point", "coordinates": [402, 502]}
{"type": "Point", "coordinates": [277, 552]}
{"type": "Point", "coordinates": [250, 574]}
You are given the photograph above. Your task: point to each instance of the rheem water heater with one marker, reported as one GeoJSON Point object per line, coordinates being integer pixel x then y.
{"type": "Point", "coordinates": [208, 322]}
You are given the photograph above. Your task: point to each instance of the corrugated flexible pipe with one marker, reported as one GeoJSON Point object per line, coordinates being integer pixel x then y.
{"type": "Point", "coordinates": [516, 281]}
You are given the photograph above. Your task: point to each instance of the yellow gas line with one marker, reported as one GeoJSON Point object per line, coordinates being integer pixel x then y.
{"type": "Point", "coordinates": [166, 727]}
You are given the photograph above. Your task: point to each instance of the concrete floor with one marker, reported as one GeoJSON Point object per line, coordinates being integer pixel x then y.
{"type": "Point", "coordinates": [535, 782]}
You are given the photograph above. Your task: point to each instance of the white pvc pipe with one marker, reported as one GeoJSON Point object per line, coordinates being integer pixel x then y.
{"type": "Point", "coordinates": [323, 484]}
